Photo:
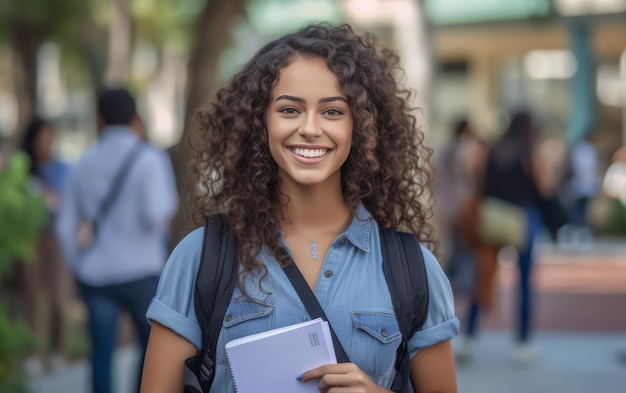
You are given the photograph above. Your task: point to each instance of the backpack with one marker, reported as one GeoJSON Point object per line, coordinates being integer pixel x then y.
{"type": "Point", "coordinates": [403, 266]}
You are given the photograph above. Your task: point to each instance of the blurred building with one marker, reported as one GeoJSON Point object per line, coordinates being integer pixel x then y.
{"type": "Point", "coordinates": [564, 59]}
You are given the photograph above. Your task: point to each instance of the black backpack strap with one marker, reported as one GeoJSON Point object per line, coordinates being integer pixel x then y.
{"type": "Point", "coordinates": [313, 306]}
{"type": "Point", "coordinates": [215, 282]}
{"type": "Point", "coordinates": [405, 272]}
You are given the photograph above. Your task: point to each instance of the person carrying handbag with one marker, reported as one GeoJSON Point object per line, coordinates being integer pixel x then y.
{"type": "Point", "coordinates": [512, 208]}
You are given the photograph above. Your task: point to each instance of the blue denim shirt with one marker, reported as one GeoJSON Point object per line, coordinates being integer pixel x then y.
{"type": "Point", "coordinates": [351, 288]}
{"type": "Point", "coordinates": [130, 242]}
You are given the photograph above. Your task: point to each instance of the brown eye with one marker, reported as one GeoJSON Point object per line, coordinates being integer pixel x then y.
{"type": "Point", "coordinates": [289, 110]}
{"type": "Point", "coordinates": [333, 112]}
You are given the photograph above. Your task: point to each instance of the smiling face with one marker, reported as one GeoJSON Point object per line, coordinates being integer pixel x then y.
{"type": "Point", "coordinates": [309, 124]}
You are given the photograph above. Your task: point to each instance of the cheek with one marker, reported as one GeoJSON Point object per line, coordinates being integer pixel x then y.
{"type": "Point", "coordinates": [348, 137]}
{"type": "Point", "coordinates": [274, 151]}
{"type": "Point", "coordinates": [273, 128]}
{"type": "Point", "coordinates": [273, 142]}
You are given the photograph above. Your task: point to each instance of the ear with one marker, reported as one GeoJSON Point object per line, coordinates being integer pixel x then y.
{"type": "Point", "coordinates": [136, 124]}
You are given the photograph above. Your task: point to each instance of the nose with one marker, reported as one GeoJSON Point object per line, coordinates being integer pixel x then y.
{"type": "Point", "coordinates": [310, 127]}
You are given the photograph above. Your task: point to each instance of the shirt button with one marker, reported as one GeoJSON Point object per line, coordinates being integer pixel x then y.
{"type": "Point", "coordinates": [384, 333]}
{"type": "Point", "coordinates": [328, 274]}
{"type": "Point", "coordinates": [228, 317]}
{"type": "Point", "coordinates": [342, 241]}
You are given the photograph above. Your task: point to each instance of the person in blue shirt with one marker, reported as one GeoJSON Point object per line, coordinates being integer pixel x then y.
{"type": "Point", "coordinates": [119, 270]}
{"type": "Point", "coordinates": [309, 149]}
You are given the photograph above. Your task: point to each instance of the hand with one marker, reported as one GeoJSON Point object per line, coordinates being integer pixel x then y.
{"type": "Point", "coordinates": [342, 378]}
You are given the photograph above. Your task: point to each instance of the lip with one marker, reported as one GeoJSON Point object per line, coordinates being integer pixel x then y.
{"type": "Point", "coordinates": [308, 160]}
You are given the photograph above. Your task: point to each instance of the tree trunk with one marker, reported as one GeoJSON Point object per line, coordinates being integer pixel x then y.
{"type": "Point", "coordinates": [25, 43]}
{"type": "Point", "coordinates": [120, 44]}
{"type": "Point", "coordinates": [212, 36]}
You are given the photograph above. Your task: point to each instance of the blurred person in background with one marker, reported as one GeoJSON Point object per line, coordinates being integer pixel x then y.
{"type": "Point", "coordinates": [583, 184]}
{"type": "Point", "coordinates": [614, 186]}
{"type": "Point", "coordinates": [139, 128]}
{"type": "Point", "coordinates": [117, 253]}
{"type": "Point", "coordinates": [512, 173]}
{"type": "Point", "coordinates": [46, 282]}
{"type": "Point", "coordinates": [458, 169]}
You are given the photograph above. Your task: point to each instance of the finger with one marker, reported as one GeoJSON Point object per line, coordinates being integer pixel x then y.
{"type": "Point", "coordinates": [319, 372]}
{"type": "Point", "coordinates": [331, 381]}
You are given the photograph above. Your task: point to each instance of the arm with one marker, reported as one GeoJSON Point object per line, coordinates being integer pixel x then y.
{"type": "Point", "coordinates": [68, 220]}
{"type": "Point", "coordinates": [165, 357]}
{"type": "Point", "coordinates": [433, 371]}
{"type": "Point", "coordinates": [430, 349]}
{"type": "Point", "coordinates": [175, 334]}
{"type": "Point", "coordinates": [160, 200]}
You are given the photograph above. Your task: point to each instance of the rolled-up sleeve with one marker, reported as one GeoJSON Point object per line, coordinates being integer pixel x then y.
{"type": "Point", "coordinates": [441, 323]}
{"type": "Point", "coordinates": [173, 304]}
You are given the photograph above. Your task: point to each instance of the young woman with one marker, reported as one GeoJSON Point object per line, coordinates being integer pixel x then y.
{"type": "Point", "coordinates": [46, 282]}
{"type": "Point", "coordinates": [310, 148]}
{"type": "Point", "coordinates": [512, 174]}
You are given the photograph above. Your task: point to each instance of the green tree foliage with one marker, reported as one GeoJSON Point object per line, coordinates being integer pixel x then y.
{"type": "Point", "coordinates": [22, 213]}
{"type": "Point", "coordinates": [15, 339]}
{"type": "Point", "coordinates": [25, 25]}
{"type": "Point", "coordinates": [49, 18]}
{"type": "Point", "coordinates": [165, 22]}
{"type": "Point", "coordinates": [22, 216]}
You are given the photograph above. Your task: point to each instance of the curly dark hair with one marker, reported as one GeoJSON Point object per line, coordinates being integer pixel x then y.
{"type": "Point", "coordinates": [388, 169]}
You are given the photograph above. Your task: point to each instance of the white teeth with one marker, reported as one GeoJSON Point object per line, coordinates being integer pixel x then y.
{"type": "Point", "coordinates": [310, 153]}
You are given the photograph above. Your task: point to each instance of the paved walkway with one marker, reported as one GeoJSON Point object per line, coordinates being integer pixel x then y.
{"type": "Point", "coordinates": [567, 363]}
{"type": "Point", "coordinates": [75, 379]}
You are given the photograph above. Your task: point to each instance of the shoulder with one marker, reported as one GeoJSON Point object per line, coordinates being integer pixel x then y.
{"type": "Point", "coordinates": [432, 265]}
{"type": "Point", "coordinates": [179, 274]}
{"type": "Point", "coordinates": [441, 323]}
{"type": "Point", "coordinates": [93, 154]}
{"type": "Point", "coordinates": [59, 165]}
{"type": "Point", "coordinates": [438, 283]}
{"type": "Point", "coordinates": [186, 254]}
{"type": "Point", "coordinates": [439, 290]}
{"type": "Point", "coordinates": [84, 162]}
{"type": "Point", "coordinates": [151, 155]}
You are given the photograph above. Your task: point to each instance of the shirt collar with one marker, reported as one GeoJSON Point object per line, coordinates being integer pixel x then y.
{"type": "Point", "coordinates": [116, 132]}
{"type": "Point", "coordinates": [360, 229]}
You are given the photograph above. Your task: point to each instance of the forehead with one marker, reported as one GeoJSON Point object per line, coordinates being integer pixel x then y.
{"type": "Point", "coordinates": [307, 74]}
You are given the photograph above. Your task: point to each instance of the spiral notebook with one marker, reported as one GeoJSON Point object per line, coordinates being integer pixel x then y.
{"type": "Point", "coordinates": [271, 361]}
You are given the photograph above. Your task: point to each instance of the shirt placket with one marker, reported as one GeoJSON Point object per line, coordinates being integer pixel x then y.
{"type": "Point", "coordinates": [330, 269]}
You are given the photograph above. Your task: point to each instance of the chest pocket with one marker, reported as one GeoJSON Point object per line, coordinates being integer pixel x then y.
{"type": "Point", "coordinates": [243, 318]}
{"type": "Point", "coordinates": [374, 339]}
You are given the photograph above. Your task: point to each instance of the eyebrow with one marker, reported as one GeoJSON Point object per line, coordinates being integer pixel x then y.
{"type": "Point", "coordinates": [302, 100]}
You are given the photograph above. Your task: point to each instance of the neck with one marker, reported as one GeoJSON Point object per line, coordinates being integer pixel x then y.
{"type": "Point", "coordinates": [315, 210]}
